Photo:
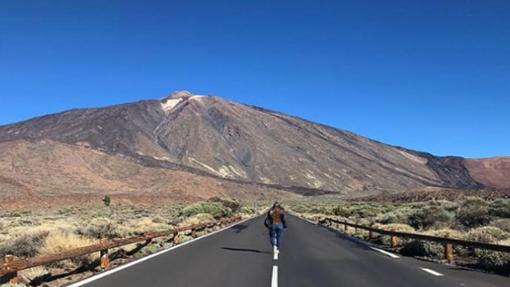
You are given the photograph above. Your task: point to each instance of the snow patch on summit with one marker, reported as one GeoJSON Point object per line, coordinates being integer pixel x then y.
{"type": "Point", "coordinates": [169, 104]}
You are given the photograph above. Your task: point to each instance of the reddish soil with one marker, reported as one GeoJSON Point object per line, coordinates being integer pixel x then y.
{"type": "Point", "coordinates": [494, 172]}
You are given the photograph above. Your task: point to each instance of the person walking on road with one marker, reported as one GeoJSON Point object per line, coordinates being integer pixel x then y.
{"type": "Point", "coordinates": [275, 222]}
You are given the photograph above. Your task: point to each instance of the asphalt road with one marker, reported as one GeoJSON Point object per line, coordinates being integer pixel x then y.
{"type": "Point", "coordinates": [311, 255]}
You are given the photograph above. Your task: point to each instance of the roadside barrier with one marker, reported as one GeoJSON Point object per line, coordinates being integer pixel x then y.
{"type": "Point", "coordinates": [10, 265]}
{"type": "Point", "coordinates": [448, 243]}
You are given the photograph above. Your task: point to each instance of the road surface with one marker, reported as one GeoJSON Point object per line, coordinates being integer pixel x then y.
{"type": "Point", "coordinates": [311, 255]}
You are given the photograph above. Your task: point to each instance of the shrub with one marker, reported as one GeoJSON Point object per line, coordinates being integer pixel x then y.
{"type": "Point", "coordinates": [427, 248]}
{"type": "Point", "coordinates": [446, 232]}
{"type": "Point", "coordinates": [60, 241]}
{"type": "Point", "coordinates": [342, 211]}
{"type": "Point", "coordinates": [500, 208]}
{"type": "Point", "coordinates": [493, 260]}
{"type": "Point", "coordinates": [107, 200]}
{"type": "Point", "coordinates": [503, 224]}
{"type": "Point", "coordinates": [26, 245]}
{"type": "Point", "coordinates": [422, 248]}
{"type": "Point", "coordinates": [366, 210]}
{"type": "Point", "coordinates": [247, 210]}
{"type": "Point", "coordinates": [233, 205]}
{"type": "Point", "coordinates": [429, 216]}
{"type": "Point", "coordinates": [396, 216]}
{"type": "Point", "coordinates": [473, 212]}
{"type": "Point", "coordinates": [395, 226]}
{"type": "Point", "coordinates": [216, 209]}
{"type": "Point", "coordinates": [197, 219]}
{"type": "Point", "coordinates": [486, 233]}
{"type": "Point", "coordinates": [99, 228]}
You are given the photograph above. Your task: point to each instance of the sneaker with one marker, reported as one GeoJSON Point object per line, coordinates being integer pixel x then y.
{"type": "Point", "coordinates": [275, 249]}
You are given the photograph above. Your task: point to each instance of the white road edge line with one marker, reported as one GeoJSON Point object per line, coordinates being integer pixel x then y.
{"type": "Point", "coordinates": [385, 252]}
{"type": "Point", "coordinates": [430, 271]}
{"type": "Point", "coordinates": [122, 267]}
{"type": "Point", "coordinates": [274, 277]}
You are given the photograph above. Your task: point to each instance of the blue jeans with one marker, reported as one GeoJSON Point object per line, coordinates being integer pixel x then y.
{"type": "Point", "coordinates": [275, 234]}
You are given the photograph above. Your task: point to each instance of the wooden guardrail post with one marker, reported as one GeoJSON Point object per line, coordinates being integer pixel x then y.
{"type": "Point", "coordinates": [174, 238]}
{"type": "Point", "coordinates": [11, 276]}
{"type": "Point", "coordinates": [370, 233]}
{"type": "Point", "coordinates": [194, 232]}
{"type": "Point", "coordinates": [448, 252]}
{"type": "Point", "coordinates": [393, 239]}
{"type": "Point", "coordinates": [105, 260]}
{"type": "Point", "coordinates": [345, 227]}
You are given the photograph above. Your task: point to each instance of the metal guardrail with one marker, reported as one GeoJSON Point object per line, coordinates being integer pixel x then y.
{"type": "Point", "coordinates": [11, 264]}
{"type": "Point", "coordinates": [395, 235]}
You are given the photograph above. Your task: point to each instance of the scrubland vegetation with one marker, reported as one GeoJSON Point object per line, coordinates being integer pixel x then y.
{"type": "Point", "coordinates": [470, 218]}
{"type": "Point", "coordinates": [28, 233]}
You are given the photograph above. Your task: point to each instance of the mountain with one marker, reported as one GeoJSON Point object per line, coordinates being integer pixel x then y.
{"type": "Point", "coordinates": [218, 140]}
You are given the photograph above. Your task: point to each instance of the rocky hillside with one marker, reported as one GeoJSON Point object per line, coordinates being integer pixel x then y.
{"type": "Point", "coordinates": [223, 140]}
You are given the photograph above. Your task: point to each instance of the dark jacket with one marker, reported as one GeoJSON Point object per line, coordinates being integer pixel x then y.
{"type": "Point", "coordinates": [275, 215]}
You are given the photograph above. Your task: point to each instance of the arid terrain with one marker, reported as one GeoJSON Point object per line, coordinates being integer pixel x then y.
{"type": "Point", "coordinates": [32, 232]}
{"type": "Point", "coordinates": [189, 147]}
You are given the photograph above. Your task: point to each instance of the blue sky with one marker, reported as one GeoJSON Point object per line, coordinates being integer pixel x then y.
{"type": "Point", "coordinates": [427, 75]}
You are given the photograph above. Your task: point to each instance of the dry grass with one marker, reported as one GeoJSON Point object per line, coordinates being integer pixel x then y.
{"type": "Point", "coordinates": [61, 241]}
{"type": "Point", "coordinates": [68, 228]}
{"type": "Point", "coordinates": [446, 232]}
{"type": "Point", "coordinates": [197, 219]}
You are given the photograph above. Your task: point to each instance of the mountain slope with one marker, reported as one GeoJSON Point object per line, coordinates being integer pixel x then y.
{"type": "Point", "coordinates": [211, 136]}
{"type": "Point", "coordinates": [52, 173]}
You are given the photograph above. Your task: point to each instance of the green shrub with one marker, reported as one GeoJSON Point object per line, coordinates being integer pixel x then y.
{"type": "Point", "coordinates": [107, 200]}
{"type": "Point", "coordinates": [430, 216]}
{"type": "Point", "coordinates": [493, 260]}
{"type": "Point", "coordinates": [500, 208]}
{"type": "Point", "coordinates": [422, 248]}
{"type": "Point", "coordinates": [473, 212]}
{"type": "Point", "coordinates": [233, 205]}
{"type": "Point", "coordinates": [216, 209]}
{"type": "Point", "coordinates": [299, 208]}
{"type": "Point", "coordinates": [343, 211]}
{"type": "Point", "coordinates": [399, 215]}
{"type": "Point", "coordinates": [26, 245]}
{"type": "Point", "coordinates": [364, 210]}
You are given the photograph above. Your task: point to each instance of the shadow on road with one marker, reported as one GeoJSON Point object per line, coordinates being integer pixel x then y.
{"type": "Point", "coordinates": [239, 228]}
{"type": "Point", "coordinates": [245, 250]}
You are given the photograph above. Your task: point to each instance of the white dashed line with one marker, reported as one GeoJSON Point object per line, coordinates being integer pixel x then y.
{"type": "Point", "coordinates": [385, 252]}
{"type": "Point", "coordinates": [274, 277]}
{"type": "Point", "coordinates": [430, 271]}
